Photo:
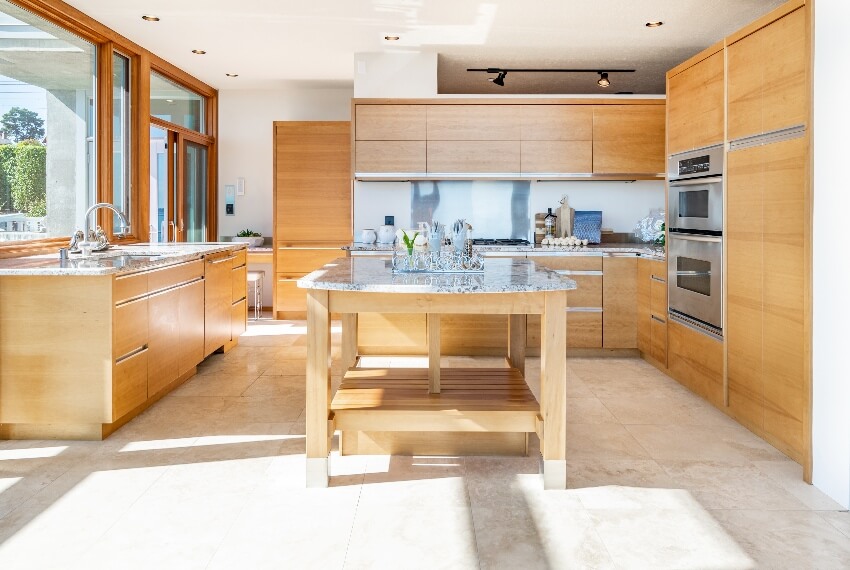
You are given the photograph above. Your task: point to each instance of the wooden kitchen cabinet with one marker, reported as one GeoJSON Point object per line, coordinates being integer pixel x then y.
{"type": "Point", "coordinates": [556, 156]}
{"type": "Point", "coordinates": [768, 334]}
{"type": "Point", "coordinates": [190, 327]}
{"type": "Point", "coordinates": [473, 123]}
{"type": "Point", "coordinates": [628, 138]}
{"type": "Point", "coordinates": [238, 294]}
{"type": "Point", "coordinates": [652, 310]}
{"type": "Point", "coordinates": [767, 77]}
{"type": "Point", "coordinates": [389, 122]}
{"type": "Point", "coordinates": [619, 302]}
{"type": "Point", "coordinates": [218, 301]}
{"type": "Point", "coordinates": [473, 156]}
{"type": "Point", "coordinates": [695, 100]}
{"type": "Point", "coordinates": [556, 122]}
{"type": "Point", "coordinates": [695, 360]}
{"type": "Point", "coordinates": [389, 156]}
{"type": "Point", "coordinates": [312, 193]}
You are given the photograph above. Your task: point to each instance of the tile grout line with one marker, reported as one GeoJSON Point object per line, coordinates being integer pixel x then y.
{"type": "Point", "coordinates": [353, 521]}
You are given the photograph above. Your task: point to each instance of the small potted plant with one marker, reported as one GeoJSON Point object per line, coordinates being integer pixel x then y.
{"type": "Point", "coordinates": [252, 238]}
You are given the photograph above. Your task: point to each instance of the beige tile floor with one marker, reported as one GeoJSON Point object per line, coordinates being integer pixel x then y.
{"type": "Point", "coordinates": [213, 477]}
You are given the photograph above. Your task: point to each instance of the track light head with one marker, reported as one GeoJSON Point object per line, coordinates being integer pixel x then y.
{"type": "Point", "coordinates": [500, 80]}
{"type": "Point", "coordinates": [603, 79]}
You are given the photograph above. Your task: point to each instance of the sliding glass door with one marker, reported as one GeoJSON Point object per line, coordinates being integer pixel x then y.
{"type": "Point", "coordinates": [179, 187]}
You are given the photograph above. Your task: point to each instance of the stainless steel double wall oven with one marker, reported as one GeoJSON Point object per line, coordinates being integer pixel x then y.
{"type": "Point", "coordinates": [695, 242]}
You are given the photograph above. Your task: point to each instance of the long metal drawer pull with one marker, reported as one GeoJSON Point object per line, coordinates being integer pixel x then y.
{"type": "Point", "coordinates": [222, 260]}
{"type": "Point", "coordinates": [696, 182]}
{"type": "Point", "coordinates": [131, 354]}
{"type": "Point", "coordinates": [584, 309]}
{"type": "Point", "coordinates": [659, 279]}
{"type": "Point", "coordinates": [770, 137]}
{"type": "Point", "coordinates": [654, 318]}
{"type": "Point", "coordinates": [590, 272]}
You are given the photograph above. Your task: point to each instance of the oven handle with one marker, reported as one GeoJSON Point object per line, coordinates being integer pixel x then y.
{"type": "Point", "coordinates": [692, 237]}
{"type": "Point", "coordinates": [695, 181]}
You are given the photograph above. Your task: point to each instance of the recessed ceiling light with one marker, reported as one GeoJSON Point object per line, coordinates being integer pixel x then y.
{"type": "Point", "coordinates": [198, 51]}
{"type": "Point", "coordinates": [232, 74]}
{"type": "Point", "coordinates": [657, 24]}
{"type": "Point", "coordinates": [148, 18]}
{"type": "Point", "coordinates": [392, 38]}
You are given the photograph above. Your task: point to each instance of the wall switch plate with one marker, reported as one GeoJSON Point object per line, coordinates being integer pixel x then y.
{"type": "Point", "coordinates": [228, 209]}
{"type": "Point", "coordinates": [389, 220]}
{"type": "Point", "coordinates": [240, 186]}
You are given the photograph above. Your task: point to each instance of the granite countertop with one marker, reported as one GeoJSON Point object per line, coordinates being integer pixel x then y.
{"type": "Point", "coordinates": [115, 260]}
{"type": "Point", "coordinates": [641, 249]}
{"type": "Point", "coordinates": [369, 274]}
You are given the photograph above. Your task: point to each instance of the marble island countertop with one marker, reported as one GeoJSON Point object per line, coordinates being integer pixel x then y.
{"type": "Point", "coordinates": [369, 274]}
{"type": "Point", "coordinates": [115, 260]}
{"type": "Point", "coordinates": [641, 249]}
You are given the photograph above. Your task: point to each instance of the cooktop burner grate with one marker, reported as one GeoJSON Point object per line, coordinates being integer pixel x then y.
{"type": "Point", "coordinates": [506, 241]}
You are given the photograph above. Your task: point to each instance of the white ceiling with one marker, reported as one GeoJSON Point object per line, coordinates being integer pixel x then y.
{"type": "Point", "coordinates": [273, 42]}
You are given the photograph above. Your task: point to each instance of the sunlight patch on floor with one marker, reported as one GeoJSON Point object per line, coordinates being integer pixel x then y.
{"type": "Point", "coordinates": [31, 453]}
{"type": "Point", "coordinates": [201, 441]}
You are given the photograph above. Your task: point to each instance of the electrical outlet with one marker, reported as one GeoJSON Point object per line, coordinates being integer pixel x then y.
{"type": "Point", "coordinates": [228, 209]}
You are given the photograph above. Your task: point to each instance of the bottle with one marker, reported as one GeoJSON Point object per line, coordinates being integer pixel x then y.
{"type": "Point", "coordinates": [550, 222]}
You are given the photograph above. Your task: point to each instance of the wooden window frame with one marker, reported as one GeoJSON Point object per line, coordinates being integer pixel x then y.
{"type": "Point", "coordinates": [142, 62]}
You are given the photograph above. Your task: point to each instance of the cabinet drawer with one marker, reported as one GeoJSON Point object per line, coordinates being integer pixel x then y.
{"type": "Point", "coordinates": [569, 262]}
{"type": "Point", "coordinates": [240, 257]}
{"type": "Point", "coordinates": [166, 277]}
{"type": "Point", "coordinates": [584, 329]}
{"type": "Point", "coordinates": [127, 287]}
{"type": "Point", "coordinates": [658, 297]}
{"type": "Point", "coordinates": [299, 262]}
{"type": "Point", "coordinates": [238, 318]}
{"type": "Point", "coordinates": [129, 327]}
{"type": "Point", "coordinates": [289, 298]}
{"type": "Point", "coordinates": [658, 340]}
{"type": "Point", "coordinates": [390, 122]}
{"type": "Point", "coordinates": [239, 285]}
{"type": "Point", "coordinates": [473, 123]}
{"type": "Point", "coordinates": [129, 383]}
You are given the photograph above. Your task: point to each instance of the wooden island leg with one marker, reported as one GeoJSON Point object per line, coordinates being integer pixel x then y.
{"type": "Point", "coordinates": [318, 387]}
{"type": "Point", "coordinates": [516, 342]}
{"type": "Point", "coordinates": [553, 389]}
{"type": "Point", "coordinates": [349, 339]}
{"type": "Point", "coordinates": [433, 325]}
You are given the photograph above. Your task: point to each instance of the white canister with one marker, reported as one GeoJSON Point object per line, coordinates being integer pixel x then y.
{"type": "Point", "coordinates": [386, 234]}
{"type": "Point", "coordinates": [367, 235]}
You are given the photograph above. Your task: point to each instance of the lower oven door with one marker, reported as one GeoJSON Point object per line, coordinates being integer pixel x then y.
{"type": "Point", "coordinates": [694, 277]}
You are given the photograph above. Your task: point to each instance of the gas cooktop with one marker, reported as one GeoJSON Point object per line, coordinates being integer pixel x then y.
{"type": "Point", "coordinates": [507, 241]}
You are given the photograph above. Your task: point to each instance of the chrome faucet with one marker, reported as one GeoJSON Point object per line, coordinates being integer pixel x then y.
{"type": "Point", "coordinates": [87, 244]}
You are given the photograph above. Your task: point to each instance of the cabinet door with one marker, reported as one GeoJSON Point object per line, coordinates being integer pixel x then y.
{"type": "Point", "coordinates": [389, 156]}
{"type": "Point", "coordinates": [695, 100]}
{"type": "Point", "coordinates": [658, 340]}
{"type": "Point", "coordinates": [744, 284]}
{"type": "Point", "coordinates": [238, 318]}
{"type": "Point", "coordinates": [163, 339]}
{"type": "Point", "coordinates": [390, 122]}
{"type": "Point", "coordinates": [290, 302]}
{"type": "Point", "coordinates": [628, 139]}
{"type": "Point", "coordinates": [556, 156]}
{"type": "Point", "coordinates": [239, 283]}
{"type": "Point", "coordinates": [473, 156]}
{"type": "Point", "coordinates": [473, 123]}
{"type": "Point", "coordinates": [556, 122]}
{"type": "Point", "coordinates": [767, 86]}
{"type": "Point", "coordinates": [696, 361]}
{"type": "Point", "coordinates": [190, 319]}
{"type": "Point", "coordinates": [312, 164]}
{"type": "Point", "coordinates": [129, 383]}
{"type": "Point", "coordinates": [644, 274]}
{"type": "Point", "coordinates": [218, 295]}
{"type": "Point", "coordinates": [619, 302]}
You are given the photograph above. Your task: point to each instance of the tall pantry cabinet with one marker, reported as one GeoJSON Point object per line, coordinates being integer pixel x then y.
{"type": "Point", "coordinates": [312, 204]}
{"type": "Point", "coordinates": [768, 231]}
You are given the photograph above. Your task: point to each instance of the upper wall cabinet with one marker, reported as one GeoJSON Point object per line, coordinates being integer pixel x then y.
{"type": "Point", "coordinates": [695, 104]}
{"type": "Point", "coordinates": [767, 87]}
{"type": "Point", "coordinates": [473, 123]}
{"type": "Point", "coordinates": [628, 139]}
{"type": "Point", "coordinates": [414, 139]}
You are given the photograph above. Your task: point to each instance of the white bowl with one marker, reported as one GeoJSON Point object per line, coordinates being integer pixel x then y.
{"type": "Point", "coordinates": [251, 241]}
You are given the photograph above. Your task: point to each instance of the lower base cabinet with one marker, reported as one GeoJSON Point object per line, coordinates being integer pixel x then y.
{"type": "Point", "coordinates": [696, 361]}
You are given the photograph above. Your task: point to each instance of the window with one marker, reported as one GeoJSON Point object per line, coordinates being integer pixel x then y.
{"type": "Point", "coordinates": [176, 104]}
{"type": "Point", "coordinates": [121, 141]}
{"type": "Point", "coordinates": [47, 123]}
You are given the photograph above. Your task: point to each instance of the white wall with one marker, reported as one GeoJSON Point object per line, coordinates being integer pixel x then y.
{"type": "Point", "coordinates": [245, 149]}
{"type": "Point", "coordinates": [831, 372]}
{"type": "Point", "coordinates": [398, 75]}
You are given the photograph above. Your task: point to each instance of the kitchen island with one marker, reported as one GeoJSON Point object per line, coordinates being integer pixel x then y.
{"type": "Point", "coordinates": [411, 400]}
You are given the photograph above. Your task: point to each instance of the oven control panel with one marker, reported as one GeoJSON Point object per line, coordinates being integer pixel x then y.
{"type": "Point", "coordinates": [695, 165]}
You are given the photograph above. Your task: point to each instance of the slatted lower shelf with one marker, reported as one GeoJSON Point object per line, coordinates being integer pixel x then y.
{"type": "Point", "coordinates": [471, 399]}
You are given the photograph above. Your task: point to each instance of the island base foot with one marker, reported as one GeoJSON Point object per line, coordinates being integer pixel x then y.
{"type": "Point", "coordinates": [317, 472]}
{"type": "Point", "coordinates": [554, 474]}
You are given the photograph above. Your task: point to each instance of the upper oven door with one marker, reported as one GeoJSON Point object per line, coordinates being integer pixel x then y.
{"type": "Point", "coordinates": [697, 205]}
{"type": "Point", "coordinates": [694, 277]}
